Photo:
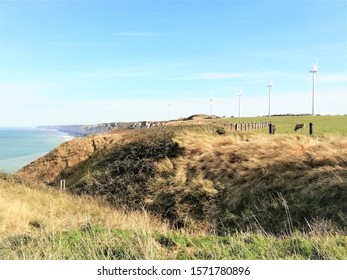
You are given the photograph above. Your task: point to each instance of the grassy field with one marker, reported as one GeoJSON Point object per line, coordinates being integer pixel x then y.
{"type": "Point", "coordinates": [198, 191]}
{"type": "Point", "coordinates": [322, 125]}
{"type": "Point", "coordinates": [40, 223]}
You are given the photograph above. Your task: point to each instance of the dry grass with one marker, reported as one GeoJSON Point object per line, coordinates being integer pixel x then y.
{"type": "Point", "coordinates": [29, 210]}
{"type": "Point", "coordinates": [67, 156]}
{"type": "Point", "coordinates": [245, 186]}
{"type": "Point", "coordinates": [252, 180]}
{"type": "Point", "coordinates": [207, 177]}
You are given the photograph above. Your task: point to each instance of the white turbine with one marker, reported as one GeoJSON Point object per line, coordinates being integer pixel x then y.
{"type": "Point", "coordinates": [169, 111]}
{"type": "Point", "coordinates": [269, 85]}
{"type": "Point", "coordinates": [314, 75]}
{"type": "Point", "coordinates": [169, 104]}
{"type": "Point", "coordinates": [239, 95]}
{"type": "Point", "coordinates": [211, 104]}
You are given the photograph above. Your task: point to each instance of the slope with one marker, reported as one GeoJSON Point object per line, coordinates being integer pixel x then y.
{"type": "Point", "coordinates": [208, 177]}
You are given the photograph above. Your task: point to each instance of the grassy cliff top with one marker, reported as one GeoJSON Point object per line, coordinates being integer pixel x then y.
{"type": "Point", "coordinates": [207, 176]}
{"type": "Point", "coordinates": [197, 191]}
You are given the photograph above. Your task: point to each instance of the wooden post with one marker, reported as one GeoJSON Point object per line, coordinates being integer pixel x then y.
{"type": "Point", "coordinates": [311, 128]}
{"type": "Point", "coordinates": [270, 128]}
{"type": "Point", "coordinates": [62, 185]}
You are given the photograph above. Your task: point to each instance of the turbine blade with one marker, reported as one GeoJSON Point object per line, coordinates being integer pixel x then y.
{"type": "Point", "coordinates": [315, 65]}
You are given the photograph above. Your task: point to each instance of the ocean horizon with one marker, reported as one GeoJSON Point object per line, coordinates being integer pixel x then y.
{"type": "Point", "coordinates": [20, 146]}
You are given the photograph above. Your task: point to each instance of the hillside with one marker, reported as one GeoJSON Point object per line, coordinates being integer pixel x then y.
{"type": "Point", "coordinates": [40, 223]}
{"type": "Point", "coordinates": [68, 155]}
{"type": "Point", "coordinates": [28, 209]}
{"type": "Point", "coordinates": [207, 177]}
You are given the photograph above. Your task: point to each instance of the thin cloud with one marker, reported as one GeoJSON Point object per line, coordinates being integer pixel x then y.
{"type": "Point", "coordinates": [140, 34]}
{"type": "Point", "coordinates": [81, 44]}
{"type": "Point", "coordinates": [333, 78]}
{"type": "Point", "coordinates": [219, 76]}
{"type": "Point", "coordinates": [109, 73]}
{"type": "Point", "coordinates": [231, 75]}
{"type": "Point", "coordinates": [255, 77]}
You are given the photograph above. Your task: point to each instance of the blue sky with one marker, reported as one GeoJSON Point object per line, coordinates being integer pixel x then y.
{"type": "Point", "coordinates": [74, 62]}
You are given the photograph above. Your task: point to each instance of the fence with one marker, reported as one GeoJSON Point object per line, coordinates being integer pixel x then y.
{"type": "Point", "coordinates": [242, 126]}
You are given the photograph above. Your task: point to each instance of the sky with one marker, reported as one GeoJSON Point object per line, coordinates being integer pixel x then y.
{"type": "Point", "coordinates": [88, 62]}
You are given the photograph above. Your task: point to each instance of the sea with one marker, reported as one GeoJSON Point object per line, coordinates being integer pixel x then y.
{"type": "Point", "coordinates": [20, 146]}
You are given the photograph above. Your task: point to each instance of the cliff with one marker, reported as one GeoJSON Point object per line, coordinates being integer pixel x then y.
{"type": "Point", "coordinates": [68, 155]}
{"type": "Point", "coordinates": [196, 176]}
{"type": "Point", "coordinates": [85, 130]}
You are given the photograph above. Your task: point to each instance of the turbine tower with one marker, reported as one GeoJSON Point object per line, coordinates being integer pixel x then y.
{"type": "Point", "coordinates": [169, 111]}
{"type": "Point", "coordinates": [269, 85]}
{"type": "Point", "coordinates": [211, 104]}
{"type": "Point", "coordinates": [314, 75]}
{"type": "Point", "coordinates": [239, 95]}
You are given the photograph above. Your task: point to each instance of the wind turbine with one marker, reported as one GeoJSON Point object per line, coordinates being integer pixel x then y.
{"type": "Point", "coordinates": [314, 75]}
{"type": "Point", "coordinates": [170, 103]}
{"type": "Point", "coordinates": [239, 95]}
{"type": "Point", "coordinates": [269, 85]}
{"type": "Point", "coordinates": [211, 103]}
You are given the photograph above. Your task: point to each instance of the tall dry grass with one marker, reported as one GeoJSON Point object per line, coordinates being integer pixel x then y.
{"type": "Point", "coordinates": [31, 210]}
{"type": "Point", "coordinates": [207, 177]}
{"type": "Point", "coordinates": [248, 181]}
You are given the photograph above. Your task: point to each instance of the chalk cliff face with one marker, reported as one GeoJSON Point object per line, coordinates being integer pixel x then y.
{"type": "Point", "coordinates": [68, 155]}
{"type": "Point", "coordinates": [84, 130]}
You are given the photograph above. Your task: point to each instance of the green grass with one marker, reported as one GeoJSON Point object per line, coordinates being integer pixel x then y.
{"type": "Point", "coordinates": [98, 243]}
{"type": "Point", "coordinates": [199, 192]}
{"type": "Point", "coordinates": [336, 125]}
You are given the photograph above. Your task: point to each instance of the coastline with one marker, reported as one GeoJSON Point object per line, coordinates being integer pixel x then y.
{"type": "Point", "coordinates": [17, 151]}
{"type": "Point", "coordinates": [12, 165]}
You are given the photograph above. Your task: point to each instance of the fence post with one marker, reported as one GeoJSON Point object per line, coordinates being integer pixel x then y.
{"type": "Point", "coordinates": [270, 128]}
{"type": "Point", "coordinates": [62, 185]}
{"type": "Point", "coordinates": [311, 128]}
